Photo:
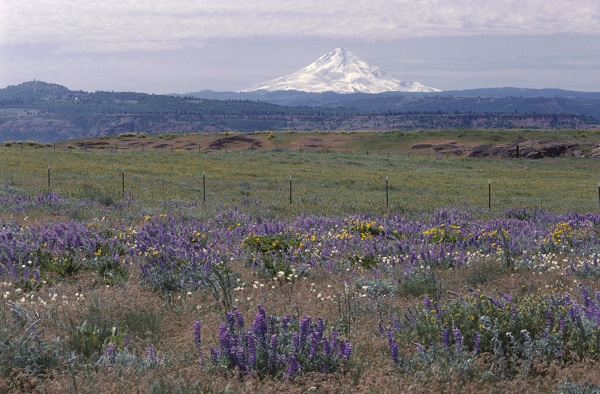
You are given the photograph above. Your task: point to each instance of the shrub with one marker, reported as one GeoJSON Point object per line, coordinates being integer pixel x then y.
{"type": "Point", "coordinates": [125, 135]}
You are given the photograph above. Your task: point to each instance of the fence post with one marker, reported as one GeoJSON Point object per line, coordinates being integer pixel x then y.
{"type": "Point", "coordinates": [489, 194]}
{"type": "Point", "coordinates": [48, 177]}
{"type": "Point", "coordinates": [123, 180]}
{"type": "Point", "coordinates": [290, 189]}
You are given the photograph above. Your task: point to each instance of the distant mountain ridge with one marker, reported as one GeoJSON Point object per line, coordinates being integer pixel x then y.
{"type": "Point", "coordinates": [341, 71]}
{"type": "Point", "coordinates": [47, 112]}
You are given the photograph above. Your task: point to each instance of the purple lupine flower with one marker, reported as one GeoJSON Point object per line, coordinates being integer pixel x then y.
{"type": "Point", "coordinates": [259, 325]}
{"type": "Point", "coordinates": [390, 337]}
{"type": "Point", "coordinates": [549, 320]}
{"type": "Point", "coordinates": [230, 321]}
{"type": "Point", "coordinates": [341, 350]}
{"type": "Point", "coordinates": [239, 318]}
{"type": "Point", "coordinates": [251, 350]}
{"type": "Point", "coordinates": [574, 312]}
{"type": "Point", "coordinates": [294, 366]}
{"type": "Point", "coordinates": [36, 276]}
{"type": "Point", "coordinates": [110, 355]}
{"type": "Point", "coordinates": [499, 304]}
{"type": "Point", "coordinates": [127, 341]}
{"type": "Point", "coordinates": [214, 354]}
{"type": "Point", "coordinates": [296, 342]}
{"type": "Point", "coordinates": [427, 303]}
{"type": "Point", "coordinates": [304, 329]}
{"type": "Point", "coordinates": [561, 325]}
{"type": "Point", "coordinates": [314, 347]}
{"type": "Point", "coordinates": [334, 341]}
{"type": "Point", "coordinates": [284, 323]}
{"type": "Point", "coordinates": [325, 346]}
{"type": "Point", "coordinates": [458, 339]}
{"type": "Point", "coordinates": [233, 357]}
{"type": "Point", "coordinates": [272, 349]}
{"type": "Point", "coordinates": [395, 351]}
{"type": "Point", "coordinates": [320, 329]}
{"type": "Point", "coordinates": [445, 337]}
{"type": "Point", "coordinates": [420, 348]}
{"type": "Point", "coordinates": [544, 334]}
{"type": "Point", "coordinates": [241, 358]}
{"type": "Point", "coordinates": [224, 337]}
{"type": "Point", "coordinates": [348, 351]}
{"type": "Point", "coordinates": [233, 341]}
{"type": "Point", "coordinates": [150, 353]}
{"type": "Point", "coordinates": [262, 311]}
{"type": "Point", "coordinates": [585, 295]}
{"type": "Point", "coordinates": [507, 297]}
{"type": "Point", "coordinates": [197, 337]}
{"type": "Point", "coordinates": [476, 343]}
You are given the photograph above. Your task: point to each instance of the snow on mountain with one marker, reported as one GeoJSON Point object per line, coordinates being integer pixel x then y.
{"type": "Point", "coordinates": [341, 71]}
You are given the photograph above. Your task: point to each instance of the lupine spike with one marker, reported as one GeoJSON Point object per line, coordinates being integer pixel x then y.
{"type": "Point", "coordinates": [476, 343]}
{"type": "Point", "coordinates": [445, 337]}
{"type": "Point", "coordinates": [197, 337]}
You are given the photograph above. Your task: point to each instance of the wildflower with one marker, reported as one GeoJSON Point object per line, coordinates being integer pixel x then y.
{"type": "Point", "coordinates": [458, 339]}
{"type": "Point", "coordinates": [304, 329]}
{"type": "Point", "coordinates": [445, 337]}
{"type": "Point", "coordinates": [325, 346]}
{"type": "Point", "coordinates": [476, 343]}
{"type": "Point", "coordinates": [314, 347]}
{"type": "Point", "coordinates": [294, 366]}
{"type": "Point", "coordinates": [110, 355]}
{"type": "Point", "coordinates": [197, 338]}
{"type": "Point", "coordinates": [251, 350]}
{"type": "Point", "coordinates": [239, 318]}
{"type": "Point", "coordinates": [272, 350]}
{"type": "Point", "coordinates": [393, 347]}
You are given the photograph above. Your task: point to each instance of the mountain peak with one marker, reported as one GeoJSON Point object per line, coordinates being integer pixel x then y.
{"type": "Point", "coordinates": [341, 71]}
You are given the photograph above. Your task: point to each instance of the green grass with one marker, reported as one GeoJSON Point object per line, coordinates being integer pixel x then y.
{"type": "Point", "coordinates": [323, 182]}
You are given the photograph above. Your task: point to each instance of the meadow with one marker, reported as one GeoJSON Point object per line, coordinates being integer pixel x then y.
{"type": "Point", "coordinates": [127, 270]}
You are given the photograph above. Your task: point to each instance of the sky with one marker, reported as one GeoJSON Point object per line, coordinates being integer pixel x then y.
{"type": "Point", "coordinates": [182, 46]}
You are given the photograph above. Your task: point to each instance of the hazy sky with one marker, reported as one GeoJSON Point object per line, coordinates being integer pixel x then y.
{"type": "Point", "coordinates": [181, 46]}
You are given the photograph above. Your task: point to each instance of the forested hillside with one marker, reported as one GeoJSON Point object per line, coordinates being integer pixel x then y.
{"type": "Point", "coordinates": [47, 112]}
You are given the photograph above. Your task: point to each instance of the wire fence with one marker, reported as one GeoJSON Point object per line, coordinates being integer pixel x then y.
{"type": "Point", "coordinates": [321, 181]}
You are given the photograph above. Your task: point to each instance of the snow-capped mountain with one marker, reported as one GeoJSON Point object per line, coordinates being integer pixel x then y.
{"type": "Point", "coordinates": [341, 71]}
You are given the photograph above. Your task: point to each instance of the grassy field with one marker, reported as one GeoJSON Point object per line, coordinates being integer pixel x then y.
{"type": "Point", "coordinates": [155, 290]}
{"type": "Point", "coordinates": [344, 180]}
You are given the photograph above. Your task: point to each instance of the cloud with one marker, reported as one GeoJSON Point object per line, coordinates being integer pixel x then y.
{"type": "Point", "coordinates": [122, 25]}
